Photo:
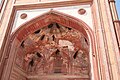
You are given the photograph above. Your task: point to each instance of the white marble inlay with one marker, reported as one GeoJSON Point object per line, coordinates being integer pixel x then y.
{"type": "Point", "coordinates": [70, 10]}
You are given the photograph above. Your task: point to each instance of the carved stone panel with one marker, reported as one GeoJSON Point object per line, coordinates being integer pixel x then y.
{"type": "Point", "coordinates": [56, 49]}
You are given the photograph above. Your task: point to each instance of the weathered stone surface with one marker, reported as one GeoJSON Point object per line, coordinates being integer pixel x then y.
{"type": "Point", "coordinates": [55, 49]}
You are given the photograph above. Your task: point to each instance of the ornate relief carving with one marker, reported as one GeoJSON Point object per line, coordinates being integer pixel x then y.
{"type": "Point", "coordinates": [56, 49]}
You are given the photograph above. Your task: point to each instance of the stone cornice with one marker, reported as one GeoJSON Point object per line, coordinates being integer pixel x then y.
{"type": "Point", "coordinates": [51, 4]}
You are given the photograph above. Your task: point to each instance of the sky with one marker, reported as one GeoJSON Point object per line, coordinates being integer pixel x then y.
{"type": "Point", "coordinates": [118, 7]}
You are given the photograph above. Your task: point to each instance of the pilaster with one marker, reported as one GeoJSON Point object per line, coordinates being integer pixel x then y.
{"type": "Point", "coordinates": [107, 40]}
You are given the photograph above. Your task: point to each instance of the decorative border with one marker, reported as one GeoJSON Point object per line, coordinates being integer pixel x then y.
{"type": "Point", "coordinates": [28, 6]}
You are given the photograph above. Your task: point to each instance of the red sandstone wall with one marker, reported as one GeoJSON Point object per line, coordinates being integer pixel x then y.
{"type": "Point", "coordinates": [17, 74]}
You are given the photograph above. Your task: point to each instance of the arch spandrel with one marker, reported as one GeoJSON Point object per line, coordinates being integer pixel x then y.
{"type": "Point", "coordinates": [46, 19]}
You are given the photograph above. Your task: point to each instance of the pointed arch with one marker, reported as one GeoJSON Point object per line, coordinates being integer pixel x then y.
{"type": "Point", "coordinates": [63, 19]}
